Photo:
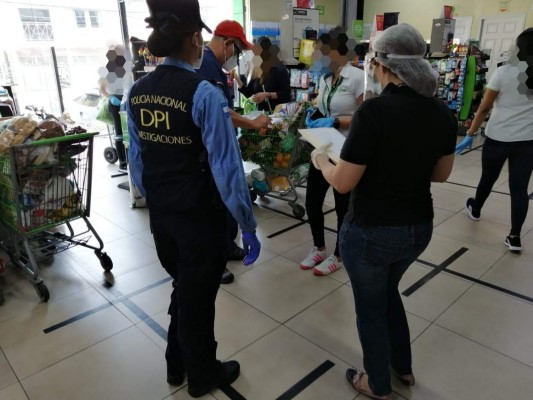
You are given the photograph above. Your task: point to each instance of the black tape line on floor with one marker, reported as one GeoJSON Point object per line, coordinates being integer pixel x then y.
{"type": "Point", "coordinates": [290, 228]}
{"type": "Point", "coordinates": [77, 318]}
{"type": "Point", "coordinates": [280, 212]}
{"type": "Point", "coordinates": [232, 393]}
{"type": "Point", "coordinates": [481, 283]}
{"type": "Point", "coordinates": [438, 269]}
{"type": "Point", "coordinates": [307, 381]}
{"type": "Point", "coordinates": [472, 149]}
{"type": "Point", "coordinates": [121, 298]}
{"type": "Point", "coordinates": [475, 187]}
{"type": "Point", "coordinates": [134, 308]}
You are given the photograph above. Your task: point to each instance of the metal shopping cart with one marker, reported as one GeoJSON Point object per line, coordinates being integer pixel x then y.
{"type": "Point", "coordinates": [281, 155]}
{"type": "Point", "coordinates": [43, 185]}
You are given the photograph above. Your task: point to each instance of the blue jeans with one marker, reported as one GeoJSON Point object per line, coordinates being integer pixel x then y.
{"type": "Point", "coordinates": [376, 259]}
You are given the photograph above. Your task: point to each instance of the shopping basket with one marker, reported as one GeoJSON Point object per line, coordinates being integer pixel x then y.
{"type": "Point", "coordinates": [43, 185]}
{"type": "Point", "coordinates": [279, 151]}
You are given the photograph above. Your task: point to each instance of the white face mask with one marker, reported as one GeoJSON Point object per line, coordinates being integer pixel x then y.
{"type": "Point", "coordinates": [198, 63]}
{"type": "Point", "coordinates": [377, 87]}
{"type": "Point", "coordinates": [232, 62]}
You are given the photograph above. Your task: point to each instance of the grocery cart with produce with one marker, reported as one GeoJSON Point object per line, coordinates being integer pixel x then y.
{"type": "Point", "coordinates": [282, 157]}
{"type": "Point", "coordinates": [45, 185]}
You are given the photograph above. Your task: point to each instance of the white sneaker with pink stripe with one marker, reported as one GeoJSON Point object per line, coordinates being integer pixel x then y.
{"type": "Point", "coordinates": [328, 266]}
{"type": "Point", "coordinates": [314, 257]}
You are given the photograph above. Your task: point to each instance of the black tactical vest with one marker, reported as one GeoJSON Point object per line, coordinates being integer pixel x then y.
{"type": "Point", "coordinates": [176, 174]}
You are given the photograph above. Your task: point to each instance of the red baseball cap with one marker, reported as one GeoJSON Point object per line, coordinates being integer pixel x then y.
{"type": "Point", "coordinates": [232, 29]}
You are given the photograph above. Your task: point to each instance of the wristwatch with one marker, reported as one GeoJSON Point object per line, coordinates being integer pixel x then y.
{"type": "Point", "coordinates": [336, 123]}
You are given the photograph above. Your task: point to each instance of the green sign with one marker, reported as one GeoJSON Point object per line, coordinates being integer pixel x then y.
{"type": "Point", "coordinates": [358, 27]}
{"type": "Point", "coordinates": [321, 9]}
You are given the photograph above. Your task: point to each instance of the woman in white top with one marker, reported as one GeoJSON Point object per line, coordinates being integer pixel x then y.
{"type": "Point", "coordinates": [509, 132]}
{"type": "Point", "coordinates": [340, 94]}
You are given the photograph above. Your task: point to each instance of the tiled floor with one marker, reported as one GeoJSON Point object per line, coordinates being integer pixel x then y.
{"type": "Point", "coordinates": [471, 324]}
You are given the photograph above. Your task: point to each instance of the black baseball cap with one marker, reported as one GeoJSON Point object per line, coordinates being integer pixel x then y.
{"type": "Point", "coordinates": [185, 12]}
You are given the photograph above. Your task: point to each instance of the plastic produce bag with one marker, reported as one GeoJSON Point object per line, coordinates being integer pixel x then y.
{"type": "Point", "coordinates": [249, 106]}
{"type": "Point", "coordinates": [103, 114]}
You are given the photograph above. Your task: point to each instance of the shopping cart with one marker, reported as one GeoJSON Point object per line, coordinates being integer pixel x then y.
{"type": "Point", "coordinates": [43, 185]}
{"type": "Point", "coordinates": [282, 156]}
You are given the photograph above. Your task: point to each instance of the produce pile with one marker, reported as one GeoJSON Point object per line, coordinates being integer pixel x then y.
{"type": "Point", "coordinates": [276, 146]}
{"type": "Point", "coordinates": [43, 182]}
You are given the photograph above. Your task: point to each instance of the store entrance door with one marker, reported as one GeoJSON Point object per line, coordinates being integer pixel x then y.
{"type": "Point", "coordinates": [499, 34]}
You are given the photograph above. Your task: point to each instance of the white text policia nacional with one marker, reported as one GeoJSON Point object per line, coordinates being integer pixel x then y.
{"type": "Point", "coordinates": [162, 100]}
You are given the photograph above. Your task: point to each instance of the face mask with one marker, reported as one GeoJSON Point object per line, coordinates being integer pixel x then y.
{"type": "Point", "coordinates": [198, 63]}
{"type": "Point", "coordinates": [377, 87]}
{"type": "Point", "coordinates": [231, 62]}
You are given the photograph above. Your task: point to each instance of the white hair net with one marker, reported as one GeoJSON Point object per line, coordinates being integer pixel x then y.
{"type": "Point", "coordinates": [401, 49]}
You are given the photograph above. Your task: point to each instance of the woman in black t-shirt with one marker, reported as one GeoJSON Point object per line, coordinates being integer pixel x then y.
{"type": "Point", "coordinates": [388, 163]}
{"type": "Point", "coordinates": [271, 84]}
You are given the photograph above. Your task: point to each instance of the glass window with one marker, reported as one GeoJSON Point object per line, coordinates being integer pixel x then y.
{"type": "Point", "coordinates": [95, 21]}
{"type": "Point", "coordinates": [26, 62]}
{"type": "Point", "coordinates": [36, 24]}
{"type": "Point", "coordinates": [80, 18]}
{"type": "Point", "coordinates": [82, 55]}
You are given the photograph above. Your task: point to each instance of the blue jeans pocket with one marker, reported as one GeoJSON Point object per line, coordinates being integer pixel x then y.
{"type": "Point", "coordinates": [383, 246]}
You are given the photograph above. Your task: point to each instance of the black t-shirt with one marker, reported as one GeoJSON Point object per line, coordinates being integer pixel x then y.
{"type": "Point", "coordinates": [399, 136]}
{"type": "Point", "coordinates": [278, 81]}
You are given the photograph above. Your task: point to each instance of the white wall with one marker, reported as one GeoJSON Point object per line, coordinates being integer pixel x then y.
{"type": "Point", "coordinates": [420, 13]}
{"type": "Point", "coordinates": [272, 10]}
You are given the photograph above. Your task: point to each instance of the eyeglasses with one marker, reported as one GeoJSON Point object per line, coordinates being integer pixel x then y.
{"type": "Point", "coordinates": [239, 51]}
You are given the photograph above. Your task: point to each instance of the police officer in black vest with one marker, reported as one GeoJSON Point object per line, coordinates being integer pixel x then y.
{"type": "Point", "coordinates": [185, 160]}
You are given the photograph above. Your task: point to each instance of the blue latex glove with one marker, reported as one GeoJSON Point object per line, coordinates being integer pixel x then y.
{"type": "Point", "coordinates": [466, 143]}
{"type": "Point", "coordinates": [114, 100]}
{"type": "Point", "coordinates": [320, 123]}
{"type": "Point", "coordinates": [251, 247]}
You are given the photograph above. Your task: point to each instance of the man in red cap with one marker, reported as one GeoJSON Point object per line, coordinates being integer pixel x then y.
{"type": "Point", "coordinates": [221, 55]}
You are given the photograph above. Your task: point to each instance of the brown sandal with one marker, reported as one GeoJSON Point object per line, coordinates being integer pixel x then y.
{"type": "Point", "coordinates": [354, 377]}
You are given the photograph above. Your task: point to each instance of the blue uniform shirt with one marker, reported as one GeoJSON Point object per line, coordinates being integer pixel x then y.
{"type": "Point", "coordinates": [210, 113]}
{"type": "Point", "coordinates": [211, 69]}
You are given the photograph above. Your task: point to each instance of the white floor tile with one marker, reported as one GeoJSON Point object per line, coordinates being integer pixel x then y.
{"type": "Point", "coordinates": [484, 233]}
{"type": "Point", "coordinates": [280, 288]}
{"type": "Point", "coordinates": [7, 375]}
{"type": "Point", "coordinates": [496, 320]}
{"type": "Point", "coordinates": [512, 272]}
{"type": "Point", "coordinates": [435, 296]}
{"type": "Point", "coordinates": [13, 392]}
{"type": "Point", "coordinates": [474, 262]}
{"type": "Point", "coordinates": [331, 325]}
{"type": "Point", "coordinates": [448, 366]}
{"type": "Point", "coordinates": [29, 349]}
{"type": "Point", "coordinates": [127, 366]}
{"type": "Point", "coordinates": [274, 364]}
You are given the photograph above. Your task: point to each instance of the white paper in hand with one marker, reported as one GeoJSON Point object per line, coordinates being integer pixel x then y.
{"type": "Point", "coordinates": [319, 137]}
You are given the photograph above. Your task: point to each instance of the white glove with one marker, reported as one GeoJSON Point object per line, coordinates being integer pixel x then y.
{"type": "Point", "coordinates": [320, 151]}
